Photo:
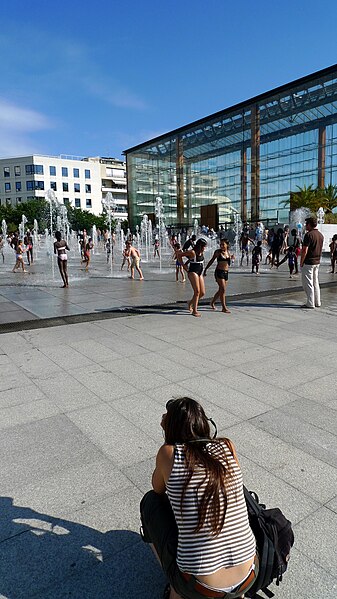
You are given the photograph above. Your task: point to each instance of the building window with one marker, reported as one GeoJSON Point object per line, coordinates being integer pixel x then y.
{"type": "Point", "coordinates": [7, 186]}
{"type": "Point", "coordinates": [87, 188]}
{"type": "Point", "coordinates": [52, 171]}
{"type": "Point", "coordinates": [18, 185]}
{"type": "Point", "coordinates": [34, 169]}
{"type": "Point", "coordinates": [17, 171]}
{"type": "Point", "coordinates": [77, 203]}
{"type": "Point", "coordinates": [18, 200]}
{"type": "Point", "coordinates": [87, 173]}
{"type": "Point", "coordinates": [8, 201]}
{"type": "Point", "coordinates": [64, 171]}
{"type": "Point", "coordinates": [53, 185]}
{"type": "Point", "coordinates": [66, 201]}
{"type": "Point", "coordinates": [77, 188]}
{"type": "Point", "coordinates": [76, 172]}
{"type": "Point", "coordinates": [65, 186]}
{"type": "Point", "coordinates": [32, 185]}
{"type": "Point", "coordinates": [6, 171]}
{"type": "Point", "coordinates": [88, 203]}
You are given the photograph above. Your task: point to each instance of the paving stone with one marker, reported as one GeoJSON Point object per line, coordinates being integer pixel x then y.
{"type": "Point", "coordinates": [27, 412]}
{"type": "Point", "coordinates": [309, 475]}
{"type": "Point", "coordinates": [315, 441]}
{"type": "Point", "coordinates": [20, 395]}
{"type": "Point", "coordinates": [237, 403]}
{"type": "Point", "coordinates": [319, 526]}
{"type": "Point", "coordinates": [114, 434]}
{"type": "Point", "coordinates": [35, 450]}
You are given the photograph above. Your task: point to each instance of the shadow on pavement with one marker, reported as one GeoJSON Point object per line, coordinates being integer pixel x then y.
{"type": "Point", "coordinates": [52, 558]}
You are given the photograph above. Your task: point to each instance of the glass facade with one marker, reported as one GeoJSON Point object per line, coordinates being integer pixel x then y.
{"type": "Point", "coordinates": [245, 159]}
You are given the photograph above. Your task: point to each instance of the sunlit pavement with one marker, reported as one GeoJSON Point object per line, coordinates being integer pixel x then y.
{"type": "Point", "coordinates": [80, 408]}
{"type": "Point", "coordinates": [38, 293]}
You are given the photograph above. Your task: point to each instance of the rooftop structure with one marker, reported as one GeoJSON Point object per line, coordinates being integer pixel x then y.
{"type": "Point", "coordinates": [245, 159]}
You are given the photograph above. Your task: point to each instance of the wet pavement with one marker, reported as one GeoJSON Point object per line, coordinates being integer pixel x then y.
{"type": "Point", "coordinates": [38, 294]}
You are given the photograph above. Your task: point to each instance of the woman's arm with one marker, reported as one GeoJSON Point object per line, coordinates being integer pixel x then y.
{"type": "Point", "coordinates": [211, 260]}
{"type": "Point", "coordinates": [162, 471]}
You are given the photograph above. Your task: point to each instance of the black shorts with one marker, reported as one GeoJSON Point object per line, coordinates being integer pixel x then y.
{"type": "Point", "coordinates": [159, 528]}
{"type": "Point", "coordinates": [221, 274]}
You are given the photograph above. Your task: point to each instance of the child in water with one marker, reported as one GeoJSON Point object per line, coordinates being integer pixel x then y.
{"type": "Point", "coordinates": [179, 264]}
{"type": "Point", "coordinates": [256, 257]}
{"type": "Point", "coordinates": [290, 255]}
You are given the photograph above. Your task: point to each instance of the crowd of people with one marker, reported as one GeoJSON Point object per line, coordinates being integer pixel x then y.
{"type": "Point", "coordinates": [280, 245]}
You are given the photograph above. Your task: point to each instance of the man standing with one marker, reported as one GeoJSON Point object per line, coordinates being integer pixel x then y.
{"type": "Point", "coordinates": [310, 259]}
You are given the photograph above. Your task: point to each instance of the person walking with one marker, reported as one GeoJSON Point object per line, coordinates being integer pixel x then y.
{"type": "Point", "coordinates": [19, 251]}
{"type": "Point", "coordinates": [195, 518]}
{"type": "Point", "coordinates": [2, 243]}
{"type": "Point", "coordinates": [60, 249]}
{"type": "Point", "coordinates": [310, 260]}
{"type": "Point", "coordinates": [195, 268]}
{"type": "Point", "coordinates": [223, 258]}
{"type": "Point", "coordinates": [135, 261]}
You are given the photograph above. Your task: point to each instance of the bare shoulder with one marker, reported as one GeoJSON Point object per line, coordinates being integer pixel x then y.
{"type": "Point", "coordinates": [166, 452]}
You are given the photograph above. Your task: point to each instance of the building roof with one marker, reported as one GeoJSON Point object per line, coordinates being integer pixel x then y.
{"type": "Point", "coordinates": [302, 81]}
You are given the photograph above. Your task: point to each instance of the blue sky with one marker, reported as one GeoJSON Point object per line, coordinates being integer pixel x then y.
{"type": "Point", "coordinates": [94, 79]}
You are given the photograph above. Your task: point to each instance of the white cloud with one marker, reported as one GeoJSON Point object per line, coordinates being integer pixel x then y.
{"type": "Point", "coordinates": [16, 125]}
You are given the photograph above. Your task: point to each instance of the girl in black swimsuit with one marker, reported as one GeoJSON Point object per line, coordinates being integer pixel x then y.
{"type": "Point", "coordinates": [195, 266]}
{"type": "Point", "coordinates": [221, 274]}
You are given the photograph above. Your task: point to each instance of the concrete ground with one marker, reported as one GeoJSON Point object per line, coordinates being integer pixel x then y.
{"type": "Point", "coordinates": [80, 408]}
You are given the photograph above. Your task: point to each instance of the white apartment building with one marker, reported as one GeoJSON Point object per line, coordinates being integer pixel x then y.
{"type": "Point", "coordinates": [80, 182]}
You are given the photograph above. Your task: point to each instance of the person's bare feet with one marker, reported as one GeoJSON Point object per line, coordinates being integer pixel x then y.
{"type": "Point", "coordinates": [189, 305]}
{"type": "Point", "coordinates": [197, 314]}
{"type": "Point", "coordinates": [226, 310]}
{"type": "Point", "coordinates": [212, 304]}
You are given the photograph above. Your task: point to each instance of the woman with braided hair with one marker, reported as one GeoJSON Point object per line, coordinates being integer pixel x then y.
{"type": "Point", "coordinates": [196, 516]}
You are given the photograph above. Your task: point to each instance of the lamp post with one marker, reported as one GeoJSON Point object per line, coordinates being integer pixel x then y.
{"type": "Point", "coordinates": [159, 210]}
{"type": "Point", "coordinates": [109, 205]}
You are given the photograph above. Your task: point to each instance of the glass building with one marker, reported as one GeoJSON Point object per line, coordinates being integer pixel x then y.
{"type": "Point", "coordinates": [245, 159]}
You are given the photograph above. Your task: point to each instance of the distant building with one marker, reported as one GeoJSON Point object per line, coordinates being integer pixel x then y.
{"type": "Point", "coordinates": [244, 160]}
{"type": "Point", "coordinates": [79, 182]}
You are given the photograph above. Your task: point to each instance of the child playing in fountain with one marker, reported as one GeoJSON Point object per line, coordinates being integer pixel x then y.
{"type": "Point", "coordinates": [156, 248]}
{"type": "Point", "coordinates": [256, 257]}
{"type": "Point", "coordinates": [333, 253]}
{"type": "Point", "coordinates": [86, 254]}
{"type": "Point", "coordinates": [179, 264]}
{"type": "Point", "coordinates": [126, 257]}
{"type": "Point", "coordinates": [108, 250]}
{"type": "Point", "coordinates": [290, 255]}
{"type": "Point", "coordinates": [135, 260]}
{"type": "Point", "coordinates": [19, 251]}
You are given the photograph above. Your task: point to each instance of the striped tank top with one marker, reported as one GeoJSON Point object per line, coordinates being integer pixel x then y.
{"type": "Point", "coordinates": [202, 553]}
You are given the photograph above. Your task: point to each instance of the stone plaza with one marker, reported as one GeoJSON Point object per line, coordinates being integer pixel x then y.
{"type": "Point", "coordinates": [83, 385]}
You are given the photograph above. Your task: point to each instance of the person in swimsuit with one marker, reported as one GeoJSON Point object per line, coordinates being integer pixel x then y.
{"type": "Point", "coordinates": [126, 258]}
{"type": "Point", "coordinates": [195, 518]}
{"type": "Point", "coordinates": [2, 243]}
{"type": "Point", "coordinates": [290, 255]}
{"type": "Point", "coordinates": [195, 267]}
{"type": "Point", "coordinates": [257, 257]}
{"type": "Point", "coordinates": [19, 251]}
{"type": "Point", "coordinates": [156, 245]}
{"type": "Point", "coordinates": [221, 274]}
{"type": "Point", "coordinates": [333, 253]}
{"type": "Point", "coordinates": [135, 261]}
{"type": "Point", "coordinates": [179, 265]}
{"type": "Point", "coordinates": [60, 249]}
{"type": "Point", "coordinates": [86, 254]}
{"type": "Point", "coordinates": [28, 241]}
{"type": "Point", "coordinates": [244, 246]}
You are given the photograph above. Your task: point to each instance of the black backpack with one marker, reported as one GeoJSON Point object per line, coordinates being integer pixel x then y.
{"type": "Point", "coordinates": [274, 539]}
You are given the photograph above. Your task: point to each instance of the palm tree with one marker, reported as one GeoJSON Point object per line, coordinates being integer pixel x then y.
{"type": "Point", "coordinates": [328, 198]}
{"type": "Point", "coordinates": [305, 197]}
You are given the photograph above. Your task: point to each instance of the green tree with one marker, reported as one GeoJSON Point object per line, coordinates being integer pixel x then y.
{"type": "Point", "coordinates": [305, 197]}
{"type": "Point", "coordinates": [328, 198]}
